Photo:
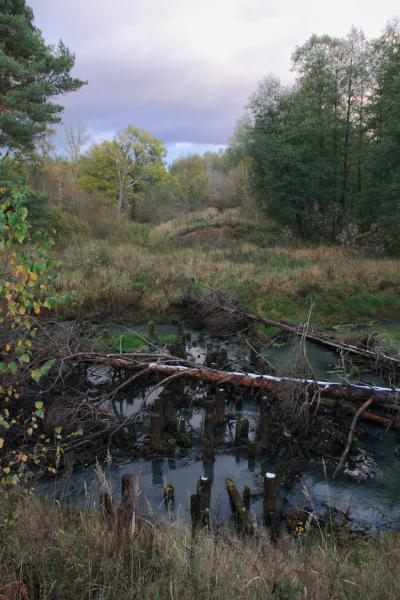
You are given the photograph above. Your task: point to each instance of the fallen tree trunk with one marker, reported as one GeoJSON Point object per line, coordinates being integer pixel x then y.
{"type": "Point", "coordinates": [379, 358]}
{"type": "Point", "coordinates": [359, 393]}
{"type": "Point", "coordinates": [348, 407]}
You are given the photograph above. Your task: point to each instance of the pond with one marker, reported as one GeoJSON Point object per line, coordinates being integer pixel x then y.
{"type": "Point", "coordinates": [372, 506]}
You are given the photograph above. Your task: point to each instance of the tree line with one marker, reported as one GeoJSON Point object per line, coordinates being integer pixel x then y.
{"type": "Point", "coordinates": [321, 156]}
{"type": "Point", "coordinates": [325, 152]}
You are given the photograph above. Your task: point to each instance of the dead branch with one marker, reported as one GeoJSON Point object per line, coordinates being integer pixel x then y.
{"type": "Point", "coordinates": [362, 408]}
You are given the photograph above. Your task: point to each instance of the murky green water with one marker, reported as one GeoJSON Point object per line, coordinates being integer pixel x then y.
{"type": "Point", "coordinates": [373, 505]}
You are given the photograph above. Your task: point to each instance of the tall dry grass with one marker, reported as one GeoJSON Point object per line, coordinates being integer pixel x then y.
{"type": "Point", "coordinates": [50, 552]}
{"type": "Point", "coordinates": [152, 268]}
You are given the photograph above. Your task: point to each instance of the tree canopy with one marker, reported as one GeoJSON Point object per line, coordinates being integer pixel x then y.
{"type": "Point", "coordinates": [123, 167]}
{"type": "Point", "coordinates": [325, 153]}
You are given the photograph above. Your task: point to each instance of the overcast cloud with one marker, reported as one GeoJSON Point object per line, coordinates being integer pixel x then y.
{"type": "Point", "coordinates": [183, 69]}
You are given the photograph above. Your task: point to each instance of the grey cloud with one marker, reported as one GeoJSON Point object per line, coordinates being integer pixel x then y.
{"type": "Point", "coordinates": [182, 69]}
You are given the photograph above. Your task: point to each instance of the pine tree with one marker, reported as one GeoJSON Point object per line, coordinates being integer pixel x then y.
{"type": "Point", "coordinates": [31, 73]}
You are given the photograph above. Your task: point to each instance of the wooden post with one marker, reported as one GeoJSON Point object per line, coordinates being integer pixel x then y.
{"type": "Point", "coordinates": [151, 331]}
{"type": "Point", "coordinates": [169, 497]}
{"type": "Point", "coordinates": [244, 431]}
{"type": "Point", "coordinates": [220, 406]}
{"type": "Point", "coordinates": [238, 430]}
{"type": "Point", "coordinates": [209, 353]}
{"type": "Point", "coordinates": [223, 358]}
{"type": "Point", "coordinates": [127, 506]}
{"type": "Point", "coordinates": [171, 446]}
{"type": "Point", "coordinates": [107, 507]}
{"type": "Point", "coordinates": [155, 432]}
{"type": "Point", "coordinates": [269, 501]}
{"type": "Point", "coordinates": [195, 512]}
{"type": "Point", "coordinates": [252, 449]}
{"type": "Point", "coordinates": [246, 496]}
{"type": "Point", "coordinates": [158, 408]}
{"type": "Point", "coordinates": [181, 425]}
{"type": "Point", "coordinates": [263, 424]}
{"type": "Point", "coordinates": [204, 494]}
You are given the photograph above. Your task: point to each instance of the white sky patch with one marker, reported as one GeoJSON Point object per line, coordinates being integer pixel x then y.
{"type": "Point", "coordinates": [182, 149]}
{"type": "Point", "coordinates": [184, 69]}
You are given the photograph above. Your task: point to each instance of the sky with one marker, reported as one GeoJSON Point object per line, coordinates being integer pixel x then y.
{"type": "Point", "coordinates": [184, 69]}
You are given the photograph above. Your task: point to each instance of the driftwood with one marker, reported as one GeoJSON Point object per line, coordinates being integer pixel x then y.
{"type": "Point", "coordinates": [350, 436]}
{"type": "Point", "coordinates": [340, 391]}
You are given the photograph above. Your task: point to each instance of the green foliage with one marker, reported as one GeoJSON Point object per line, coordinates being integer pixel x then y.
{"type": "Point", "coordinates": [124, 167]}
{"type": "Point", "coordinates": [26, 287]}
{"type": "Point", "coordinates": [31, 74]}
{"type": "Point", "coordinates": [325, 153]}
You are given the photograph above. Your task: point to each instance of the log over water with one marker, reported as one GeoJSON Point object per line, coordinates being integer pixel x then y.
{"type": "Point", "coordinates": [360, 393]}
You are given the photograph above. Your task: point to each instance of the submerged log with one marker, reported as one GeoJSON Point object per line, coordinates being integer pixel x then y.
{"type": "Point", "coordinates": [238, 506]}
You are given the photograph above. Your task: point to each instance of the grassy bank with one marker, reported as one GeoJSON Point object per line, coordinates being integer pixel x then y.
{"type": "Point", "coordinates": [149, 269]}
{"type": "Point", "coordinates": [49, 552]}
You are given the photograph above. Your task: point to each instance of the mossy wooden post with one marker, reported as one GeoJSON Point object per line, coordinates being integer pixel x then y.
{"type": "Point", "coordinates": [238, 506]}
{"type": "Point", "coordinates": [155, 432]}
{"type": "Point", "coordinates": [169, 497]}
{"type": "Point", "coordinates": [127, 506]}
{"type": "Point", "coordinates": [209, 430]}
{"type": "Point", "coordinates": [246, 496]}
{"type": "Point", "coordinates": [223, 357]}
{"type": "Point", "coordinates": [263, 425]}
{"type": "Point", "coordinates": [238, 430]}
{"type": "Point", "coordinates": [107, 507]}
{"type": "Point", "coordinates": [220, 406]}
{"type": "Point", "coordinates": [172, 446]}
{"type": "Point", "coordinates": [244, 431]}
{"type": "Point", "coordinates": [269, 501]}
{"type": "Point", "coordinates": [204, 494]}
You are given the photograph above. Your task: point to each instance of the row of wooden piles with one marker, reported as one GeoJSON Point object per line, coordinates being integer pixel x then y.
{"type": "Point", "coordinates": [164, 420]}
{"type": "Point", "coordinates": [200, 504]}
